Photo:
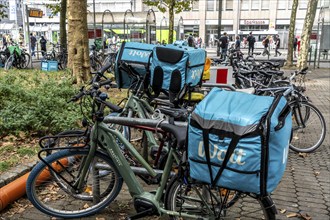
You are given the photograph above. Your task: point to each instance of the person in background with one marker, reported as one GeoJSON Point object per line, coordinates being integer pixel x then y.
{"type": "Point", "coordinates": [224, 45]}
{"type": "Point", "coordinates": [43, 43]}
{"type": "Point", "coordinates": [237, 43]}
{"type": "Point", "coordinates": [265, 43]}
{"type": "Point", "coordinates": [298, 45]}
{"type": "Point", "coordinates": [244, 42]}
{"type": "Point", "coordinates": [4, 41]}
{"type": "Point", "coordinates": [277, 45]}
{"type": "Point", "coordinates": [33, 41]}
{"type": "Point", "coordinates": [191, 41]}
{"type": "Point", "coordinates": [295, 42]}
{"type": "Point", "coordinates": [251, 40]}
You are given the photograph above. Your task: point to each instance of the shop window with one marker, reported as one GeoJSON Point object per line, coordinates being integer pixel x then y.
{"type": "Point", "coordinates": [195, 5]}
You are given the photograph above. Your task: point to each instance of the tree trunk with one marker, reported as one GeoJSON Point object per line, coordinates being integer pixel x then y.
{"type": "Point", "coordinates": [63, 24]}
{"type": "Point", "coordinates": [289, 60]}
{"type": "Point", "coordinates": [78, 41]}
{"type": "Point", "coordinates": [305, 37]}
{"type": "Point", "coordinates": [171, 21]}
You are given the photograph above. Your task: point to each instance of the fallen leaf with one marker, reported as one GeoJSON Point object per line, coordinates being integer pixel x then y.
{"type": "Point", "coordinates": [100, 218]}
{"type": "Point", "coordinates": [305, 216]}
{"type": "Point", "coordinates": [282, 211]}
{"type": "Point", "coordinates": [303, 155]}
{"type": "Point", "coordinates": [316, 173]}
{"type": "Point", "coordinates": [86, 206]}
{"type": "Point", "coordinates": [291, 215]}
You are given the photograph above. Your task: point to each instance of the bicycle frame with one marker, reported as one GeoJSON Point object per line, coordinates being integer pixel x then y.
{"type": "Point", "coordinates": [105, 136]}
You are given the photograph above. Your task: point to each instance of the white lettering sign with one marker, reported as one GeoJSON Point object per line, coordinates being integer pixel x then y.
{"type": "Point", "coordinates": [235, 158]}
{"type": "Point", "coordinates": [12, 10]}
{"type": "Point", "coordinates": [139, 53]}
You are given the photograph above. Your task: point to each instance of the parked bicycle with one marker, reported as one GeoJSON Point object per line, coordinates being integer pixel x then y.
{"type": "Point", "coordinates": [15, 57]}
{"type": "Point", "coordinates": [83, 181]}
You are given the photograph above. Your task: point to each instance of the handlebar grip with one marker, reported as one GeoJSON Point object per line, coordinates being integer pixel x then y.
{"type": "Point", "coordinates": [113, 107]}
{"type": "Point", "coordinates": [105, 68]}
{"type": "Point", "coordinates": [106, 82]}
{"type": "Point", "coordinates": [76, 97]}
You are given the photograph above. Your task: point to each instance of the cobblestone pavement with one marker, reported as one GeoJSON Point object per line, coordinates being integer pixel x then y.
{"type": "Point", "coordinates": [304, 189]}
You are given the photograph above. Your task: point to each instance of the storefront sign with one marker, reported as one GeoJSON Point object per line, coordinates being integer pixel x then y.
{"type": "Point", "coordinates": [36, 13]}
{"type": "Point", "coordinates": [254, 22]}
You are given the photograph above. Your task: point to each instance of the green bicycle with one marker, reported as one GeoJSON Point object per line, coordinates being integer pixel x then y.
{"type": "Point", "coordinates": [77, 182]}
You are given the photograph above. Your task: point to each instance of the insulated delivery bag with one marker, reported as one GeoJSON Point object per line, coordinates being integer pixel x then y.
{"type": "Point", "coordinates": [173, 67]}
{"type": "Point", "coordinates": [137, 55]}
{"type": "Point", "coordinates": [239, 141]}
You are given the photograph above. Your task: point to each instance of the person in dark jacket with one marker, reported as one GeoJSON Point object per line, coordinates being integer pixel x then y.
{"type": "Point", "coordinates": [277, 45]}
{"type": "Point", "coordinates": [43, 43]}
{"type": "Point", "coordinates": [224, 45]}
{"type": "Point", "coordinates": [295, 43]}
{"type": "Point", "coordinates": [251, 40]}
{"type": "Point", "coordinates": [237, 43]}
{"type": "Point", "coordinates": [265, 42]}
{"type": "Point", "coordinates": [33, 43]}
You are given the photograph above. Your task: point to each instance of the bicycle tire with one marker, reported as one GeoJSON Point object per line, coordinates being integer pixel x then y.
{"type": "Point", "coordinates": [186, 198]}
{"type": "Point", "coordinates": [9, 62]}
{"type": "Point", "coordinates": [3, 58]}
{"type": "Point", "coordinates": [51, 198]}
{"type": "Point", "coordinates": [308, 127]}
{"type": "Point", "coordinates": [25, 60]}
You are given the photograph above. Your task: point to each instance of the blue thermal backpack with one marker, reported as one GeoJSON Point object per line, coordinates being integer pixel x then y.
{"type": "Point", "coordinates": [239, 141]}
{"type": "Point", "coordinates": [135, 54]}
{"type": "Point", "coordinates": [173, 67]}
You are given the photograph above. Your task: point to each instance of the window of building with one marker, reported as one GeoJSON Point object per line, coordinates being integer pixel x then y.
{"type": "Point", "coordinates": [229, 5]}
{"type": "Point", "coordinates": [253, 27]}
{"type": "Point", "coordinates": [245, 5]}
{"type": "Point", "coordinates": [195, 5]}
{"type": "Point", "coordinates": [210, 5]}
{"type": "Point", "coordinates": [303, 4]}
{"type": "Point", "coordinates": [282, 27]}
{"type": "Point", "coordinates": [255, 5]}
{"type": "Point", "coordinates": [264, 4]}
{"type": "Point", "coordinates": [323, 3]}
{"type": "Point", "coordinates": [281, 4]}
{"type": "Point", "coordinates": [290, 4]}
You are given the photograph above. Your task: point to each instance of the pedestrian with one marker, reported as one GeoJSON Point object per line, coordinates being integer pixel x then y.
{"type": "Point", "coordinates": [244, 42]}
{"type": "Point", "coordinates": [4, 41]}
{"type": "Point", "coordinates": [265, 43]}
{"type": "Point", "coordinates": [237, 43]}
{"type": "Point", "coordinates": [298, 45]}
{"type": "Point", "coordinates": [224, 45]}
{"type": "Point", "coordinates": [200, 41]}
{"type": "Point", "coordinates": [43, 43]}
{"type": "Point", "coordinates": [191, 42]}
{"type": "Point", "coordinates": [33, 41]}
{"type": "Point", "coordinates": [251, 40]}
{"type": "Point", "coordinates": [277, 45]}
{"type": "Point", "coordinates": [295, 43]}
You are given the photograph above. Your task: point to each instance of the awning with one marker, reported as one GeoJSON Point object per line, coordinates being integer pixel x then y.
{"type": "Point", "coordinates": [7, 26]}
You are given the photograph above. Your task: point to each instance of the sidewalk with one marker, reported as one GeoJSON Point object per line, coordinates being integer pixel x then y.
{"type": "Point", "coordinates": [305, 187]}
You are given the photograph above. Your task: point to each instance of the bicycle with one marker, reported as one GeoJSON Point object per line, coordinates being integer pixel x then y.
{"type": "Point", "coordinates": [16, 57]}
{"type": "Point", "coordinates": [308, 122]}
{"type": "Point", "coordinates": [95, 175]}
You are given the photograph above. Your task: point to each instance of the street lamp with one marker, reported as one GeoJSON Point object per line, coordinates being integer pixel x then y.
{"type": "Point", "coordinates": [148, 28]}
{"type": "Point", "coordinates": [161, 29]}
{"type": "Point", "coordinates": [130, 11]}
{"type": "Point", "coordinates": [219, 27]}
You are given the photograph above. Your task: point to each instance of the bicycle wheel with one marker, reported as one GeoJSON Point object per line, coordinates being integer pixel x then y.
{"type": "Point", "coordinates": [25, 60]}
{"type": "Point", "coordinates": [3, 58]}
{"type": "Point", "coordinates": [308, 127]}
{"type": "Point", "coordinates": [9, 62]}
{"type": "Point", "coordinates": [199, 200]}
{"type": "Point", "coordinates": [60, 198]}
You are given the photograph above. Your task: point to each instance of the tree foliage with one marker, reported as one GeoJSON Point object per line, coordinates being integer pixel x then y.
{"type": "Point", "coordinates": [2, 11]}
{"type": "Point", "coordinates": [173, 7]}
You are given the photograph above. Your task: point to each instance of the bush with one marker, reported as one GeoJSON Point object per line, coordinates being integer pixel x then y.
{"type": "Point", "coordinates": [35, 102]}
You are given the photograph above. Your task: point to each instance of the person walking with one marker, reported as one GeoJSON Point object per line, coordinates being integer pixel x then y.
{"type": "Point", "coordinates": [277, 45]}
{"type": "Point", "coordinates": [43, 43]}
{"type": "Point", "coordinates": [265, 42]}
{"type": "Point", "coordinates": [251, 40]}
{"type": "Point", "coordinates": [295, 43]}
{"type": "Point", "coordinates": [4, 41]}
{"type": "Point", "coordinates": [238, 43]}
{"type": "Point", "coordinates": [224, 45]}
{"type": "Point", "coordinates": [33, 41]}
